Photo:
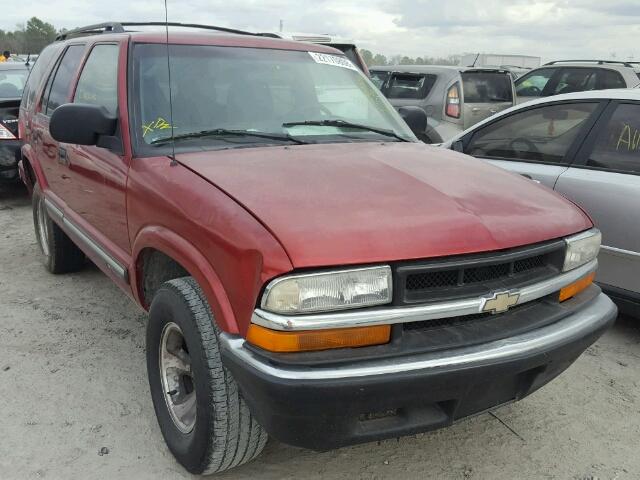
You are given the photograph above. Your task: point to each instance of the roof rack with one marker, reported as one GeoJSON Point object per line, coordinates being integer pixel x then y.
{"type": "Point", "coordinates": [118, 27]}
{"type": "Point", "coordinates": [599, 62]}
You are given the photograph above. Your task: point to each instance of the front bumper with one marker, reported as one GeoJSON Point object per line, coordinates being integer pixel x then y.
{"type": "Point", "coordinates": [324, 407]}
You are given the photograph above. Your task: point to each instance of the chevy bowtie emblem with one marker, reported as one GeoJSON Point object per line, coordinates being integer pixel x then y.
{"type": "Point", "coordinates": [500, 302]}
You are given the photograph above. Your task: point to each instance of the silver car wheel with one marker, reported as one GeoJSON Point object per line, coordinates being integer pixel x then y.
{"type": "Point", "coordinates": [43, 231]}
{"type": "Point", "coordinates": [177, 379]}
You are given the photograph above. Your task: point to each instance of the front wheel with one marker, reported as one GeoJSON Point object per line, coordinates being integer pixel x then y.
{"type": "Point", "coordinates": [204, 420]}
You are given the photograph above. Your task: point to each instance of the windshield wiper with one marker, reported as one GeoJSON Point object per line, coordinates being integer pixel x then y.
{"type": "Point", "coordinates": [342, 123]}
{"type": "Point", "coordinates": [223, 131]}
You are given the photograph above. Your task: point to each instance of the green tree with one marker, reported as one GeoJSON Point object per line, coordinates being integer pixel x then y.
{"type": "Point", "coordinates": [367, 56]}
{"type": "Point", "coordinates": [37, 35]}
{"type": "Point", "coordinates": [379, 59]}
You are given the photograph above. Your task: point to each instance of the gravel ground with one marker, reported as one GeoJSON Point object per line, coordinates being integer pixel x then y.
{"type": "Point", "coordinates": [75, 401]}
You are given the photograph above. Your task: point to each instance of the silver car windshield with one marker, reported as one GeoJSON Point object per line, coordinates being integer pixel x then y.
{"type": "Point", "coordinates": [219, 93]}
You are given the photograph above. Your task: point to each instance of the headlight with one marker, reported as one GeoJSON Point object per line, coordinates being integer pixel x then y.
{"type": "Point", "coordinates": [337, 290]}
{"type": "Point", "coordinates": [581, 249]}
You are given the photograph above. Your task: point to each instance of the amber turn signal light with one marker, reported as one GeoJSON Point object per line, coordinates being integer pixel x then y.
{"type": "Point", "coordinates": [576, 287]}
{"type": "Point", "coordinates": [309, 340]}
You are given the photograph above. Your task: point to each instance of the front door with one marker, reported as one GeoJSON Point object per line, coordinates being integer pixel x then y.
{"type": "Point", "coordinates": [95, 192]}
{"type": "Point", "coordinates": [537, 142]}
{"type": "Point", "coordinates": [605, 181]}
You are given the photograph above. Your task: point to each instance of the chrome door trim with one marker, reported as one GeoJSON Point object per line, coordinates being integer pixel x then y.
{"type": "Point", "coordinates": [112, 264]}
{"type": "Point", "coordinates": [392, 315]}
{"type": "Point", "coordinates": [620, 252]}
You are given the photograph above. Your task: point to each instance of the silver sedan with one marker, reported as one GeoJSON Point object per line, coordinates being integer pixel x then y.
{"type": "Point", "coordinates": [585, 146]}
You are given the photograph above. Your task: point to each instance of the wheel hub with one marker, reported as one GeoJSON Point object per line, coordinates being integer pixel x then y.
{"type": "Point", "coordinates": [177, 379]}
{"type": "Point", "coordinates": [43, 232]}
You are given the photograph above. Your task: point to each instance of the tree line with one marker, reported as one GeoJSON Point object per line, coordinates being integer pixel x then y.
{"type": "Point", "coordinates": [29, 38]}
{"type": "Point", "coordinates": [371, 59]}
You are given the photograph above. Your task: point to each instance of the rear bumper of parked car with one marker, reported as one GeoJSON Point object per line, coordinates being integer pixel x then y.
{"type": "Point", "coordinates": [329, 406]}
{"type": "Point", "coordinates": [9, 157]}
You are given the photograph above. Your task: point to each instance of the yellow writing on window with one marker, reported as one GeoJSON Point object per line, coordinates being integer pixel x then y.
{"type": "Point", "coordinates": [159, 124]}
{"type": "Point", "coordinates": [629, 138]}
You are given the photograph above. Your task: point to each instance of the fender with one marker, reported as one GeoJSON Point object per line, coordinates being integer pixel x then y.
{"type": "Point", "coordinates": [29, 155]}
{"type": "Point", "coordinates": [187, 255]}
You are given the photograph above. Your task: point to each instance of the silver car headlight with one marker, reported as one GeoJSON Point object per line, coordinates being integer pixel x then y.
{"type": "Point", "coordinates": [581, 249]}
{"type": "Point", "coordinates": [327, 291]}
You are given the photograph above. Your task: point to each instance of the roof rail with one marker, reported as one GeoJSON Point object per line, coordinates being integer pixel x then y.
{"type": "Point", "coordinates": [599, 62]}
{"type": "Point", "coordinates": [118, 27]}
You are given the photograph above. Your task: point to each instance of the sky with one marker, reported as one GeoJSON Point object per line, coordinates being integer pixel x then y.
{"type": "Point", "coordinates": [551, 29]}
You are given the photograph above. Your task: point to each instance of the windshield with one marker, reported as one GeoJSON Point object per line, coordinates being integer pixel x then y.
{"type": "Point", "coordinates": [12, 82]}
{"type": "Point", "coordinates": [218, 90]}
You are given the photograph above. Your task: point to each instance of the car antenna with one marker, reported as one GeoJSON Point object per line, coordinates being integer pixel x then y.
{"type": "Point", "coordinates": [475, 60]}
{"type": "Point", "coordinates": [28, 58]}
{"type": "Point", "coordinates": [173, 142]}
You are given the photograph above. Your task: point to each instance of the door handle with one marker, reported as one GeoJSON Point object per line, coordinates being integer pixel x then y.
{"type": "Point", "coordinates": [526, 175]}
{"type": "Point", "coordinates": [63, 159]}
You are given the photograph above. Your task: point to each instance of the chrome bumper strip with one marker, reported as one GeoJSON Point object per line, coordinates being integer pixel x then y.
{"type": "Point", "coordinates": [597, 315]}
{"type": "Point", "coordinates": [391, 315]}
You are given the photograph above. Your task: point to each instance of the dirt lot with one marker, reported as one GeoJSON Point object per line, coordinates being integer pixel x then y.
{"type": "Point", "coordinates": [74, 387]}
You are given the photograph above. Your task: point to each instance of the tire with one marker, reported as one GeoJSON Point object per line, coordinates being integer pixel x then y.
{"type": "Point", "coordinates": [60, 254]}
{"type": "Point", "coordinates": [217, 431]}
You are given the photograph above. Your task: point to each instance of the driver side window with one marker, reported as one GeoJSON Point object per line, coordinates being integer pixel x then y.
{"type": "Point", "coordinates": [542, 134]}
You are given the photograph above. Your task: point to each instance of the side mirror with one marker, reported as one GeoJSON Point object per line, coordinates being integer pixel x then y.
{"type": "Point", "coordinates": [416, 118]}
{"type": "Point", "coordinates": [81, 124]}
{"type": "Point", "coordinates": [457, 146]}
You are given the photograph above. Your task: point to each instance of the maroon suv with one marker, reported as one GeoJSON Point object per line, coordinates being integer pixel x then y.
{"type": "Point", "coordinates": [311, 270]}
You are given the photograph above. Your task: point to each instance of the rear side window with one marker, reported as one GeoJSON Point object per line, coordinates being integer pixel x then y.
{"type": "Point", "coordinates": [98, 84]}
{"type": "Point", "coordinates": [533, 83]}
{"type": "Point", "coordinates": [610, 79]}
{"type": "Point", "coordinates": [575, 80]}
{"type": "Point", "coordinates": [542, 134]}
{"type": "Point", "coordinates": [618, 144]}
{"type": "Point", "coordinates": [58, 86]}
{"type": "Point", "coordinates": [484, 87]}
{"type": "Point", "coordinates": [37, 73]}
{"type": "Point", "coordinates": [408, 85]}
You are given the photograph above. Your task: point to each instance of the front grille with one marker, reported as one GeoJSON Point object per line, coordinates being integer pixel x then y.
{"type": "Point", "coordinates": [456, 321]}
{"type": "Point", "coordinates": [474, 275]}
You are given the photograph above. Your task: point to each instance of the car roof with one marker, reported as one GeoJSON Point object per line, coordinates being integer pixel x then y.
{"type": "Point", "coordinates": [13, 66]}
{"type": "Point", "coordinates": [312, 38]}
{"type": "Point", "coordinates": [621, 67]}
{"type": "Point", "coordinates": [434, 69]}
{"type": "Point", "coordinates": [205, 38]}
{"type": "Point", "coordinates": [613, 94]}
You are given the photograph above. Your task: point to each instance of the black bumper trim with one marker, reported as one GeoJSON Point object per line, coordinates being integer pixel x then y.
{"type": "Point", "coordinates": [329, 407]}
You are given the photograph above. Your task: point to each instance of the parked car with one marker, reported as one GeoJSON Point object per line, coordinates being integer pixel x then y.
{"type": "Point", "coordinates": [568, 76]}
{"type": "Point", "coordinates": [493, 60]}
{"type": "Point", "coordinates": [13, 77]}
{"type": "Point", "coordinates": [346, 46]}
{"type": "Point", "coordinates": [585, 146]}
{"type": "Point", "coordinates": [454, 98]}
{"type": "Point", "coordinates": [311, 270]}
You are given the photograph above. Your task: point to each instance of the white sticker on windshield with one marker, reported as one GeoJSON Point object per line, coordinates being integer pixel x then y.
{"type": "Point", "coordinates": [334, 60]}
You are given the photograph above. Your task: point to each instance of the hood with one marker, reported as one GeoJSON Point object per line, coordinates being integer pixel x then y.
{"type": "Point", "coordinates": [358, 203]}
